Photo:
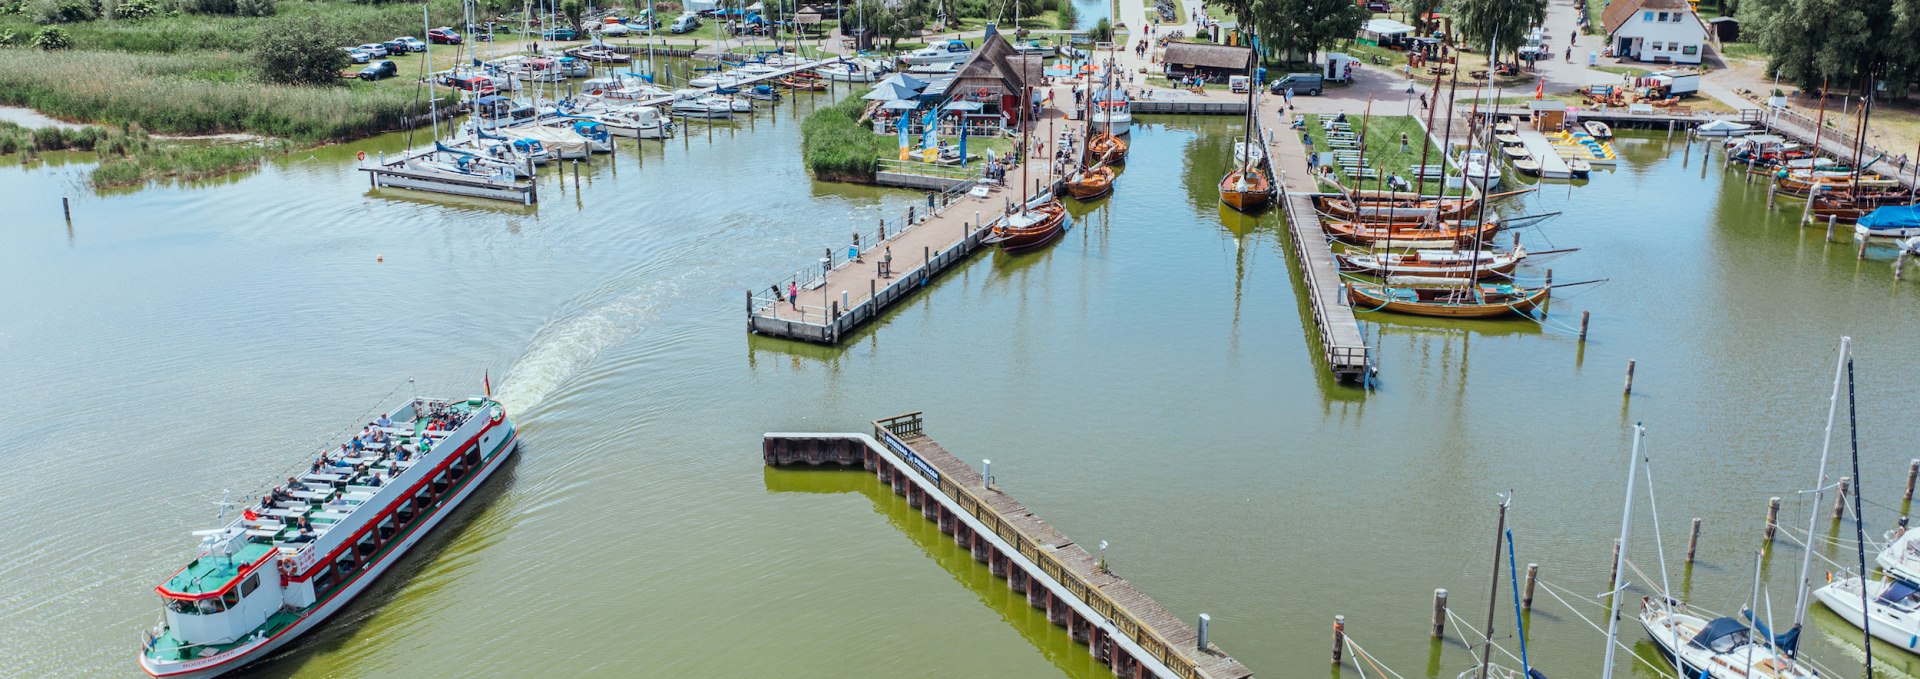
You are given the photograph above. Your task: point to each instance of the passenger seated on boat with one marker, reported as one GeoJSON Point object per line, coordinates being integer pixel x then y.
{"type": "Point", "coordinates": [384, 421]}
{"type": "Point", "coordinates": [306, 535]}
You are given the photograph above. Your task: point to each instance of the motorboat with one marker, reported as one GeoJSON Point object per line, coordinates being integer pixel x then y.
{"type": "Point", "coordinates": [699, 104]}
{"type": "Point", "coordinates": [1477, 167]}
{"type": "Point", "coordinates": [1598, 129]}
{"type": "Point", "coordinates": [643, 122]}
{"type": "Point", "coordinates": [1112, 113]}
{"type": "Point", "coordinates": [1722, 128]}
{"type": "Point", "coordinates": [853, 71]}
{"type": "Point", "coordinates": [950, 52]}
{"type": "Point", "coordinates": [1891, 222]}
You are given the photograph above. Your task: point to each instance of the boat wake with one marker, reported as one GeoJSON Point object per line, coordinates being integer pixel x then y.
{"type": "Point", "coordinates": [571, 341]}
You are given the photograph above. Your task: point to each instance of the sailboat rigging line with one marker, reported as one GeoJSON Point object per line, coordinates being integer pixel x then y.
{"type": "Point", "coordinates": [1362, 653]}
{"type": "Point", "coordinates": [1813, 518]}
{"type": "Point", "coordinates": [1462, 623]}
{"type": "Point", "coordinates": [1596, 627]}
{"type": "Point", "coordinates": [1859, 527]}
{"type": "Point", "coordinates": [1519, 623]}
{"type": "Point", "coordinates": [1659, 546]}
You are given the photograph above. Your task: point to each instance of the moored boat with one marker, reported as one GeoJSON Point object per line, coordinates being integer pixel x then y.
{"type": "Point", "coordinates": [1246, 189]}
{"type": "Point", "coordinates": [1091, 183]}
{"type": "Point", "coordinates": [1722, 648]}
{"type": "Point", "coordinates": [1442, 235]}
{"type": "Point", "coordinates": [1436, 263]}
{"type": "Point", "coordinates": [1598, 129]}
{"type": "Point", "coordinates": [309, 546]}
{"type": "Point", "coordinates": [1109, 149]}
{"type": "Point", "coordinates": [1032, 227]}
{"type": "Point", "coordinates": [1444, 297]}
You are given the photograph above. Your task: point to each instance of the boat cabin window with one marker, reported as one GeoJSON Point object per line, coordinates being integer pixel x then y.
{"type": "Point", "coordinates": [248, 585]}
{"type": "Point", "coordinates": [188, 606]}
{"type": "Point", "coordinates": [209, 606]}
{"type": "Point", "coordinates": [231, 598]}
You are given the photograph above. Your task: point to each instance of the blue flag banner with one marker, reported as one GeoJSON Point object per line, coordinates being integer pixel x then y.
{"type": "Point", "coordinates": [929, 138]}
{"type": "Point", "coordinates": [963, 142]}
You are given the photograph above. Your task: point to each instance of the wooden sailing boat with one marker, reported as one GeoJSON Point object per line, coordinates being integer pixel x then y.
{"type": "Point", "coordinates": [1412, 234]}
{"type": "Point", "coordinates": [1247, 188]}
{"type": "Point", "coordinates": [1037, 221]}
{"type": "Point", "coordinates": [1441, 263]}
{"type": "Point", "coordinates": [1110, 149]}
{"type": "Point", "coordinates": [1856, 201]}
{"type": "Point", "coordinates": [1445, 297]}
{"type": "Point", "coordinates": [1094, 179]}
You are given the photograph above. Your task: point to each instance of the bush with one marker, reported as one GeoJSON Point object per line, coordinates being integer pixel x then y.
{"type": "Point", "coordinates": [295, 54]}
{"type": "Point", "coordinates": [1102, 31]}
{"type": "Point", "coordinates": [65, 11]}
{"type": "Point", "coordinates": [136, 9]}
{"type": "Point", "coordinates": [255, 8]}
{"type": "Point", "coordinates": [52, 38]}
{"type": "Point", "coordinates": [1069, 15]}
{"type": "Point", "coordinates": [837, 147]}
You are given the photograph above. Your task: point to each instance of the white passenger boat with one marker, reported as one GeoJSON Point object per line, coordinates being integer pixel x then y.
{"type": "Point", "coordinates": [1112, 113]}
{"type": "Point", "coordinates": [699, 104]}
{"type": "Point", "coordinates": [303, 551]}
{"type": "Point", "coordinates": [1722, 648]}
{"type": "Point", "coordinates": [952, 52]}
{"type": "Point", "coordinates": [644, 122]}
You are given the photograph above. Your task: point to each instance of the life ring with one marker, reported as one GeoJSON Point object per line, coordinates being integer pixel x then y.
{"type": "Point", "coordinates": [982, 93]}
{"type": "Point", "coordinates": [360, 156]}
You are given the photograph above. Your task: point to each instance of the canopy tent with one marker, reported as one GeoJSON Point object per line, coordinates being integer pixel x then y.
{"type": "Point", "coordinates": [903, 80]}
{"type": "Point", "coordinates": [900, 105]}
{"type": "Point", "coordinates": [963, 105]}
{"type": "Point", "coordinates": [1385, 27]}
{"type": "Point", "coordinates": [887, 91]}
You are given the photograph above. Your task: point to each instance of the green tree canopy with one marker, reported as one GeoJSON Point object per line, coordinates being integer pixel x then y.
{"type": "Point", "coordinates": [1484, 24]}
{"type": "Point", "coordinates": [1301, 28]}
{"type": "Point", "coordinates": [296, 53]}
{"type": "Point", "coordinates": [1838, 41]}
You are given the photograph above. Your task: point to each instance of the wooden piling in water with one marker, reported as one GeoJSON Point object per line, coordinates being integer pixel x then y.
{"type": "Point", "coordinates": [1693, 539]}
{"type": "Point", "coordinates": [1584, 317]}
{"type": "Point", "coordinates": [1863, 249]}
{"type": "Point", "coordinates": [1773, 517]}
{"type": "Point", "coordinates": [1830, 220]}
{"type": "Point", "coordinates": [1773, 190]}
{"type": "Point", "coordinates": [1900, 265]}
{"type": "Point", "coordinates": [66, 208]}
{"type": "Point", "coordinates": [1526, 596]}
{"type": "Point", "coordinates": [1629, 389]}
{"type": "Point", "coordinates": [1613, 571]}
{"type": "Point", "coordinates": [1339, 636]}
{"type": "Point", "coordinates": [1913, 473]}
{"type": "Point", "coordinates": [1439, 613]}
{"type": "Point", "coordinates": [1840, 498]}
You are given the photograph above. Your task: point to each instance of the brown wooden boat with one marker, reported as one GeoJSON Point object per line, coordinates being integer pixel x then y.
{"type": "Point", "coordinates": [1847, 208]}
{"type": "Point", "coordinates": [803, 84]}
{"type": "Point", "coordinates": [1446, 300]}
{"type": "Point", "coordinates": [1384, 205]}
{"type": "Point", "coordinates": [1443, 235]}
{"type": "Point", "coordinates": [1032, 228]}
{"type": "Point", "coordinates": [1246, 190]}
{"type": "Point", "coordinates": [1109, 149]}
{"type": "Point", "coordinates": [1091, 183]}
{"type": "Point", "coordinates": [1434, 263]}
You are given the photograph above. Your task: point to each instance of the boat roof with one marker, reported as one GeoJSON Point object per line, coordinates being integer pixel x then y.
{"type": "Point", "coordinates": [1715, 630]}
{"type": "Point", "coordinates": [1899, 589]}
{"type": "Point", "coordinates": [1892, 217]}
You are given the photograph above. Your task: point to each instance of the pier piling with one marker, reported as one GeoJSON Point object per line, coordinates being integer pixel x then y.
{"type": "Point", "coordinates": [1863, 249]}
{"type": "Point", "coordinates": [1830, 220]}
{"type": "Point", "coordinates": [1773, 517]}
{"type": "Point", "coordinates": [66, 207]}
{"type": "Point", "coordinates": [1439, 613]}
{"type": "Point", "coordinates": [1773, 190]}
{"type": "Point", "coordinates": [1584, 317]}
{"type": "Point", "coordinates": [1840, 498]}
{"type": "Point", "coordinates": [1339, 636]}
{"type": "Point", "coordinates": [1613, 572]}
{"type": "Point", "coordinates": [1200, 640]}
{"type": "Point", "coordinates": [1900, 265]}
{"type": "Point", "coordinates": [1526, 596]}
{"type": "Point", "coordinates": [1693, 539]}
{"type": "Point", "coordinates": [1629, 390]}
{"type": "Point", "coordinates": [1913, 473]}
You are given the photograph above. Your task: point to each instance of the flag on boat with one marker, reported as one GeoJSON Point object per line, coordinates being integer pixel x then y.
{"type": "Point", "coordinates": [487, 380]}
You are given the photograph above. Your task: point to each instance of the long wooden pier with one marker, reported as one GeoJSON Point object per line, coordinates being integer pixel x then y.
{"type": "Point", "coordinates": [1343, 347]}
{"type": "Point", "coordinates": [1122, 627]}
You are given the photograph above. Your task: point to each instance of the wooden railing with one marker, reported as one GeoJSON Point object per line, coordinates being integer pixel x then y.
{"type": "Point", "coordinates": [891, 431]}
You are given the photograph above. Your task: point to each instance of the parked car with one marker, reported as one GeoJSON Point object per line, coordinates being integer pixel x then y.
{"type": "Point", "coordinates": [1302, 83]}
{"type": "Point", "coordinates": [412, 44]}
{"type": "Point", "coordinates": [1378, 6]}
{"type": "Point", "coordinates": [559, 33]}
{"type": "Point", "coordinates": [685, 24]}
{"type": "Point", "coordinates": [376, 49]}
{"type": "Point", "coordinates": [357, 55]}
{"type": "Point", "coordinates": [379, 69]}
{"type": "Point", "coordinates": [396, 48]}
{"type": "Point", "coordinates": [443, 36]}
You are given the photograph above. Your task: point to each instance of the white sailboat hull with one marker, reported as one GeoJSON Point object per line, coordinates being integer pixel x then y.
{"type": "Point", "coordinates": [1891, 625]}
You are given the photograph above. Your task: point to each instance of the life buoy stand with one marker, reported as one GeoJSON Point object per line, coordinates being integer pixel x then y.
{"type": "Point", "coordinates": [362, 155]}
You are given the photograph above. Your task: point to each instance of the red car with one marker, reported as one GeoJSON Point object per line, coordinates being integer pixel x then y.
{"type": "Point", "coordinates": [443, 36]}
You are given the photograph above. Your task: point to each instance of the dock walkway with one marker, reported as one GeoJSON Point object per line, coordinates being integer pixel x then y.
{"type": "Point", "coordinates": [1552, 166]}
{"type": "Point", "coordinates": [1342, 345]}
{"type": "Point", "coordinates": [1122, 627]}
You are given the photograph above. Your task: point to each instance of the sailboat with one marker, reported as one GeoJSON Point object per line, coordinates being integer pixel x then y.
{"type": "Point", "coordinates": [1854, 201]}
{"type": "Point", "coordinates": [1247, 187]}
{"type": "Point", "coordinates": [1094, 179]}
{"type": "Point", "coordinates": [1439, 263]}
{"type": "Point", "coordinates": [1036, 221]}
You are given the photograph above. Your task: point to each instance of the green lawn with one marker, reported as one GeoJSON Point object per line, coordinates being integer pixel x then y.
{"type": "Point", "coordinates": [1741, 50]}
{"type": "Point", "coordinates": [1383, 150]}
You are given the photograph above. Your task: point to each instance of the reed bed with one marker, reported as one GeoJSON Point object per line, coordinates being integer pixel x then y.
{"type": "Point", "coordinates": [836, 146]}
{"type": "Point", "coordinates": [129, 156]}
{"type": "Point", "coordinates": [194, 32]}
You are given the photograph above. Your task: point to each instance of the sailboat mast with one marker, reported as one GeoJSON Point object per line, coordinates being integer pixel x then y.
{"type": "Point", "coordinates": [1426, 144]}
{"type": "Point", "coordinates": [1819, 128]}
{"type": "Point", "coordinates": [1859, 528]}
{"type": "Point", "coordinates": [1620, 557]}
{"type": "Point", "coordinates": [426, 56]}
{"type": "Point", "coordinates": [1026, 117]}
{"type": "Point", "coordinates": [1480, 222]}
{"type": "Point", "coordinates": [1493, 595]}
{"type": "Point", "coordinates": [1819, 483]}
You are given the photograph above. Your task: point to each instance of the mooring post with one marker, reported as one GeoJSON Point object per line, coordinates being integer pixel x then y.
{"type": "Point", "coordinates": [1806, 212]}
{"type": "Point", "coordinates": [1773, 517]}
{"type": "Point", "coordinates": [1913, 472]}
{"type": "Point", "coordinates": [1526, 597]}
{"type": "Point", "coordinates": [1863, 249]}
{"type": "Point", "coordinates": [1584, 317]}
{"type": "Point", "coordinates": [576, 175]}
{"type": "Point", "coordinates": [1773, 189]}
{"type": "Point", "coordinates": [873, 288]}
{"type": "Point", "coordinates": [1613, 571]}
{"type": "Point", "coordinates": [1693, 539]}
{"type": "Point", "coordinates": [66, 205]}
{"type": "Point", "coordinates": [1548, 301]}
{"type": "Point", "coordinates": [1840, 498]}
{"type": "Point", "coordinates": [1205, 620]}
{"type": "Point", "coordinates": [1439, 613]}
{"type": "Point", "coordinates": [1629, 389]}
{"type": "Point", "coordinates": [1900, 265]}
{"type": "Point", "coordinates": [1830, 219]}
{"type": "Point", "coordinates": [986, 473]}
{"type": "Point", "coordinates": [1339, 636]}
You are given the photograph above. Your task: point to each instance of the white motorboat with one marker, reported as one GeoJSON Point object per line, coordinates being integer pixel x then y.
{"type": "Point", "coordinates": [699, 104]}
{"type": "Point", "coordinates": [643, 122]}
{"type": "Point", "coordinates": [1722, 648]}
{"type": "Point", "coordinates": [621, 89]}
{"type": "Point", "coordinates": [307, 548]}
{"type": "Point", "coordinates": [952, 52]}
{"type": "Point", "coordinates": [1112, 112]}
{"type": "Point", "coordinates": [1475, 166]}
{"type": "Point", "coordinates": [1722, 128]}
{"type": "Point", "coordinates": [853, 71]}
{"type": "Point", "coordinates": [560, 143]}
{"type": "Point", "coordinates": [1894, 605]}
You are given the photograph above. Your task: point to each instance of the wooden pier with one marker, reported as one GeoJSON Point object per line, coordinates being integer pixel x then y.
{"type": "Point", "coordinates": [1122, 627]}
{"type": "Point", "coordinates": [1342, 346]}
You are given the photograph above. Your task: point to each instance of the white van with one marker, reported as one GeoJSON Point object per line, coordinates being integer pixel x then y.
{"type": "Point", "coordinates": [686, 23]}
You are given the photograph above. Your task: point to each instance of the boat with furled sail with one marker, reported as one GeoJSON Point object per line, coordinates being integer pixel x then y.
{"type": "Point", "coordinates": [1109, 149]}
{"type": "Point", "coordinates": [1369, 205]}
{"type": "Point", "coordinates": [1091, 183]}
{"type": "Point", "coordinates": [1035, 222]}
{"type": "Point", "coordinates": [1445, 297]}
{"type": "Point", "coordinates": [1436, 263]}
{"type": "Point", "coordinates": [307, 547]}
{"type": "Point", "coordinates": [1247, 187]}
{"type": "Point", "coordinates": [1441, 235]}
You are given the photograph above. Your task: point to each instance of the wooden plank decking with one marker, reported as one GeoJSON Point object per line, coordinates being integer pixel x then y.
{"type": "Point", "coordinates": [1343, 347]}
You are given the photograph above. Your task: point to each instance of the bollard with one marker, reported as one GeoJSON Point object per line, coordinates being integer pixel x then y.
{"type": "Point", "coordinates": [1439, 613]}
{"type": "Point", "coordinates": [1840, 498]}
{"type": "Point", "coordinates": [986, 473]}
{"type": "Point", "coordinates": [1613, 573]}
{"type": "Point", "coordinates": [873, 288]}
{"type": "Point", "coordinates": [1548, 300]}
{"type": "Point", "coordinates": [1693, 540]}
{"type": "Point", "coordinates": [1863, 249]}
{"type": "Point", "coordinates": [66, 206]}
{"type": "Point", "coordinates": [844, 304]}
{"type": "Point", "coordinates": [1773, 189]}
{"type": "Point", "coordinates": [1629, 389]}
{"type": "Point", "coordinates": [1339, 636]}
{"type": "Point", "coordinates": [1830, 228]}
{"type": "Point", "coordinates": [576, 176]}
{"type": "Point", "coordinates": [976, 218]}
{"type": "Point", "coordinates": [1201, 642]}
{"type": "Point", "coordinates": [1526, 597]}
{"type": "Point", "coordinates": [1773, 517]}
{"type": "Point", "coordinates": [1913, 471]}
{"type": "Point", "coordinates": [1584, 317]}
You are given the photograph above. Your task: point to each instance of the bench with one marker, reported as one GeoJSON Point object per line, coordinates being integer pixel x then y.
{"type": "Point", "coordinates": [262, 533]}
{"type": "Point", "coordinates": [331, 516]}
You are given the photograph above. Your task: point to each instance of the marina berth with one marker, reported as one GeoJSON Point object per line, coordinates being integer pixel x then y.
{"type": "Point", "coordinates": [302, 550]}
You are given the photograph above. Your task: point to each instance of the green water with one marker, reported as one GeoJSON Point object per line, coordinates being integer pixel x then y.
{"type": "Point", "coordinates": [1148, 381]}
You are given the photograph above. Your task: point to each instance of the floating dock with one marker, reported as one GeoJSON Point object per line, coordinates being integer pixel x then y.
{"type": "Point", "coordinates": [1552, 165]}
{"type": "Point", "coordinates": [1122, 627]}
{"type": "Point", "coordinates": [384, 172]}
{"type": "Point", "coordinates": [1342, 346]}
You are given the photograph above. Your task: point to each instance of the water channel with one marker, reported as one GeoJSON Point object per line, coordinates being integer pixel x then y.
{"type": "Point", "coordinates": [1148, 382]}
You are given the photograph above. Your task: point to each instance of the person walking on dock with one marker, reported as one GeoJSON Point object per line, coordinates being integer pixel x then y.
{"type": "Point", "coordinates": [793, 295]}
{"type": "Point", "coordinates": [886, 263]}
{"type": "Point", "coordinates": [853, 251]}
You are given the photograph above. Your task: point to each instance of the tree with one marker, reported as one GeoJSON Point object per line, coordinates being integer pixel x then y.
{"type": "Point", "coordinates": [1102, 30]}
{"type": "Point", "coordinates": [52, 38]}
{"type": "Point", "coordinates": [1420, 9]}
{"type": "Point", "coordinates": [1299, 29]}
{"type": "Point", "coordinates": [895, 20]}
{"type": "Point", "coordinates": [1068, 16]}
{"type": "Point", "coordinates": [1838, 41]}
{"type": "Point", "coordinates": [1485, 24]}
{"type": "Point", "coordinates": [572, 9]}
{"type": "Point", "coordinates": [297, 53]}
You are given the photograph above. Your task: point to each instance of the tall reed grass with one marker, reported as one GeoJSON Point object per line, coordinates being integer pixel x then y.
{"type": "Point", "coordinates": [837, 147]}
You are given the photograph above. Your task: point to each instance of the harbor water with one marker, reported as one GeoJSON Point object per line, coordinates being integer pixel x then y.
{"type": "Point", "coordinates": [1150, 381]}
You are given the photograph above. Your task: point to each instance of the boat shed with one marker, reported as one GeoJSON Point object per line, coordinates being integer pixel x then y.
{"type": "Point", "coordinates": [995, 75]}
{"type": "Point", "coordinates": [1215, 62]}
{"type": "Point", "coordinates": [1548, 115]}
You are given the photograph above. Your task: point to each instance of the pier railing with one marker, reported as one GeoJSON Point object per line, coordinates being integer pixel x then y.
{"type": "Point", "coordinates": [873, 242]}
{"type": "Point", "coordinates": [894, 431]}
